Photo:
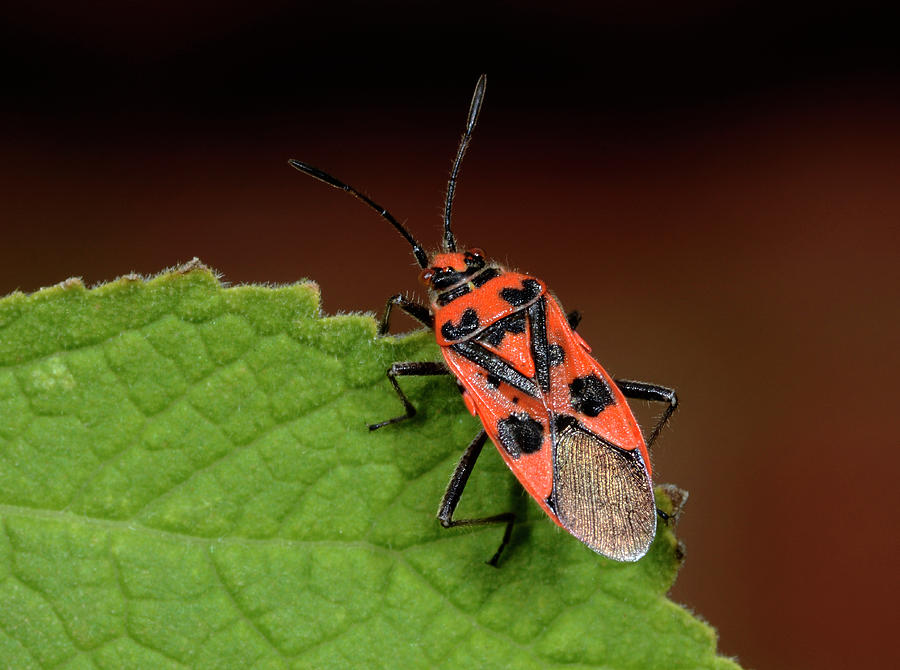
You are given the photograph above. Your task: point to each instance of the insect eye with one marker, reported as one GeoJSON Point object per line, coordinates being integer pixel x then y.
{"type": "Point", "coordinates": [426, 275]}
{"type": "Point", "coordinates": [476, 252]}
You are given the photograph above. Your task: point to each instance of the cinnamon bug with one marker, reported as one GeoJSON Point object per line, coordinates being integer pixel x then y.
{"type": "Point", "coordinates": [558, 419]}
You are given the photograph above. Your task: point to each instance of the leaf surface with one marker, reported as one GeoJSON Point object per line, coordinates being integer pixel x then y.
{"type": "Point", "coordinates": [186, 480]}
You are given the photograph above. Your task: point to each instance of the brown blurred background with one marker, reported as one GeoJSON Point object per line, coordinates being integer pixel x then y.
{"type": "Point", "coordinates": [715, 186]}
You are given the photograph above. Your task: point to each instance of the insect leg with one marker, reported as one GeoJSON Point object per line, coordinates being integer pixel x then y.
{"type": "Point", "coordinates": [410, 369]}
{"type": "Point", "coordinates": [414, 309]}
{"type": "Point", "coordinates": [454, 493]}
{"type": "Point", "coordinates": [574, 318]}
{"type": "Point", "coordinates": [653, 392]}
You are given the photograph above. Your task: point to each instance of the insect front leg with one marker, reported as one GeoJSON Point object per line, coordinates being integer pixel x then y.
{"type": "Point", "coordinates": [409, 369]}
{"type": "Point", "coordinates": [416, 310]}
{"type": "Point", "coordinates": [653, 392]}
{"type": "Point", "coordinates": [454, 493]}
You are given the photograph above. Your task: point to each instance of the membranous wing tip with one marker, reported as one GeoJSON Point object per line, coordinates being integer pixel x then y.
{"type": "Point", "coordinates": [603, 495]}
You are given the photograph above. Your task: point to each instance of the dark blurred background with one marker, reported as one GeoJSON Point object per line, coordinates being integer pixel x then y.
{"type": "Point", "coordinates": [714, 184]}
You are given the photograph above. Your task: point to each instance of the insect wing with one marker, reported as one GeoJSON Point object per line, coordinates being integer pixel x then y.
{"type": "Point", "coordinates": [602, 490]}
{"type": "Point", "coordinates": [603, 495]}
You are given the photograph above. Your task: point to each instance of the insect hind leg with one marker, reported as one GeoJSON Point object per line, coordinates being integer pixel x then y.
{"type": "Point", "coordinates": [641, 390]}
{"type": "Point", "coordinates": [454, 493]}
{"type": "Point", "coordinates": [653, 392]}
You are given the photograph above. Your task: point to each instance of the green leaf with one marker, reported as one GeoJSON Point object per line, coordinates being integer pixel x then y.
{"type": "Point", "coordinates": [186, 480]}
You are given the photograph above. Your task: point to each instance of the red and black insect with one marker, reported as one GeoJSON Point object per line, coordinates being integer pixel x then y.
{"type": "Point", "coordinates": [559, 420]}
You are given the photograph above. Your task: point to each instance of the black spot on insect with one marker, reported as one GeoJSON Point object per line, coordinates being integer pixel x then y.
{"type": "Point", "coordinates": [493, 380]}
{"type": "Point", "coordinates": [468, 324]}
{"type": "Point", "coordinates": [447, 297]}
{"type": "Point", "coordinates": [474, 262]}
{"type": "Point", "coordinates": [515, 400]}
{"type": "Point", "coordinates": [590, 395]}
{"type": "Point", "coordinates": [520, 434]}
{"type": "Point", "coordinates": [556, 355]}
{"type": "Point", "coordinates": [517, 297]}
{"type": "Point", "coordinates": [563, 421]}
{"type": "Point", "coordinates": [446, 277]}
{"type": "Point", "coordinates": [483, 278]}
{"type": "Point", "coordinates": [493, 335]}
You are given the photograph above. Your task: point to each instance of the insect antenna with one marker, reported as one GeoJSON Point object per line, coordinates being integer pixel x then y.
{"type": "Point", "coordinates": [474, 110]}
{"type": "Point", "coordinates": [418, 252]}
